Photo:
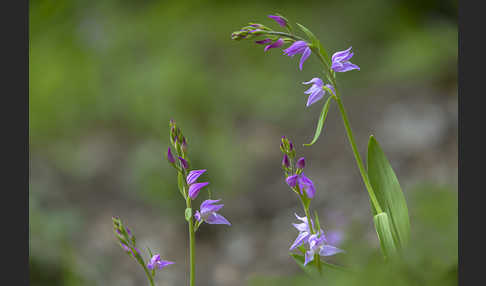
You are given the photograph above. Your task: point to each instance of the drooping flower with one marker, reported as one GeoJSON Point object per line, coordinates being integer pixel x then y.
{"type": "Point", "coordinates": [304, 231]}
{"type": "Point", "coordinates": [208, 213]}
{"type": "Point", "coordinates": [299, 47]}
{"type": "Point", "coordinates": [304, 183]}
{"type": "Point", "coordinates": [318, 244]}
{"type": "Point", "coordinates": [194, 187]}
{"type": "Point", "coordinates": [316, 91]}
{"type": "Point", "coordinates": [341, 63]}
{"type": "Point", "coordinates": [277, 44]}
{"type": "Point", "coordinates": [281, 21]}
{"type": "Point", "coordinates": [157, 262]}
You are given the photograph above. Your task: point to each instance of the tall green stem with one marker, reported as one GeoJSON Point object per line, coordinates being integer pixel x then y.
{"type": "Point", "coordinates": [149, 276]}
{"type": "Point", "coordinates": [362, 170]}
{"type": "Point", "coordinates": [192, 247]}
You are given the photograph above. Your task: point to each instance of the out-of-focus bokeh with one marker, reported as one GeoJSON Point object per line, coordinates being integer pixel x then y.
{"type": "Point", "coordinates": [107, 76]}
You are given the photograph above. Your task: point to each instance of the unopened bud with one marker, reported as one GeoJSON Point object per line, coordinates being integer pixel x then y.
{"type": "Point", "coordinates": [300, 163]}
{"type": "Point", "coordinates": [285, 161]}
{"type": "Point", "coordinates": [183, 163]}
{"type": "Point", "coordinates": [170, 157]}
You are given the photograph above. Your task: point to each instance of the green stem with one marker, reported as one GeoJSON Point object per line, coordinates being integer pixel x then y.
{"type": "Point", "coordinates": [149, 276]}
{"type": "Point", "coordinates": [192, 247]}
{"type": "Point", "coordinates": [297, 38]}
{"type": "Point", "coordinates": [362, 170]}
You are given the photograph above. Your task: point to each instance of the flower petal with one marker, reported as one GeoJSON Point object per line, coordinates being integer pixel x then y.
{"type": "Point", "coordinates": [347, 66]}
{"type": "Point", "coordinates": [193, 175]}
{"type": "Point", "coordinates": [317, 81]}
{"type": "Point", "coordinates": [309, 256]}
{"type": "Point", "coordinates": [195, 188]}
{"type": "Point", "coordinates": [292, 180]}
{"type": "Point", "coordinates": [305, 55]}
{"type": "Point", "coordinates": [278, 43]}
{"type": "Point", "coordinates": [338, 56]}
{"type": "Point", "coordinates": [314, 97]}
{"type": "Point", "coordinates": [164, 263]}
{"type": "Point", "coordinates": [307, 185]}
{"type": "Point", "coordinates": [299, 240]}
{"type": "Point", "coordinates": [215, 218]}
{"type": "Point", "coordinates": [278, 19]}
{"type": "Point", "coordinates": [328, 250]}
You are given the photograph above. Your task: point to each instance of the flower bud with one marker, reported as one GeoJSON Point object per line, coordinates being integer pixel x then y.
{"type": "Point", "coordinates": [285, 161]}
{"type": "Point", "coordinates": [184, 145]}
{"type": "Point", "coordinates": [300, 163]}
{"type": "Point", "coordinates": [183, 163]}
{"type": "Point", "coordinates": [279, 19]}
{"type": "Point", "coordinates": [170, 157]}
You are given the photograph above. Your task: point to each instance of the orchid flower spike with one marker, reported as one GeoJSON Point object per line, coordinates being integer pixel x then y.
{"type": "Point", "coordinates": [208, 213]}
{"type": "Point", "coordinates": [316, 92]}
{"type": "Point", "coordinates": [299, 47]}
{"type": "Point", "coordinates": [341, 63]}
{"type": "Point", "coordinates": [157, 262]}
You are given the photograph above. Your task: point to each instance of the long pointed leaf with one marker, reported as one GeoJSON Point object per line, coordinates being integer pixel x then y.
{"type": "Point", "coordinates": [388, 192]}
{"type": "Point", "coordinates": [321, 121]}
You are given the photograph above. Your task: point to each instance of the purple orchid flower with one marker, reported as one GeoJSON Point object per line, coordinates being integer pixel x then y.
{"type": "Point", "coordinates": [194, 187]}
{"type": "Point", "coordinates": [305, 184]}
{"type": "Point", "coordinates": [304, 231]}
{"type": "Point", "coordinates": [318, 244]}
{"type": "Point", "coordinates": [208, 213]}
{"type": "Point", "coordinates": [341, 63]}
{"type": "Point", "coordinates": [299, 47]}
{"type": "Point", "coordinates": [157, 262]}
{"type": "Point", "coordinates": [281, 21]}
{"type": "Point", "coordinates": [316, 91]}
{"type": "Point", "coordinates": [277, 44]}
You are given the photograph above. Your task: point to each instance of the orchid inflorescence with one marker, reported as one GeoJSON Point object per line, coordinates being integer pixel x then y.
{"type": "Point", "coordinates": [390, 213]}
{"type": "Point", "coordinates": [311, 240]}
{"type": "Point", "coordinates": [127, 242]}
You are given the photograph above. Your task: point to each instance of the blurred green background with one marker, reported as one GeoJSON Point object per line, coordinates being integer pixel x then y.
{"type": "Point", "coordinates": [107, 76]}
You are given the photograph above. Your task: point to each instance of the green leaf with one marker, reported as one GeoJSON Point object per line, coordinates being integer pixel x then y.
{"type": "Point", "coordinates": [321, 121]}
{"type": "Point", "coordinates": [313, 40]}
{"type": "Point", "coordinates": [388, 193]}
{"type": "Point", "coordinates": [309, 268]}
{"type": "Point", "coordinates": [188, 214]}
{"type": "Point", "coordinates": [383, 229]}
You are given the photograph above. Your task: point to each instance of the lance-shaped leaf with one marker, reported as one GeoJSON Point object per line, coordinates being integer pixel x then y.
{"type": "Point", "coordinates": [384, 231]}
{"type": "Point", "coordinates": [388, 193]}
{"type": "Point", "coordinates": [321, 121]}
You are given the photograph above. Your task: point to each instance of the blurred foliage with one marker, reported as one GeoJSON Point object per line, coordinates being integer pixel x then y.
{"type": "Point", "coordinates": [117, 71]}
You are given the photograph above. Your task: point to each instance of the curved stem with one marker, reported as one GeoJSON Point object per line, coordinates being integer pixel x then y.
{"type": "Point", "coordinates": [149, 276]}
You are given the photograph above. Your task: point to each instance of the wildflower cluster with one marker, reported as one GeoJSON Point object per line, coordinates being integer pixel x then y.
{"type": "Point", "coordinates": [127, 242]}
{"type": "Point", "coordinates": [311, 240]}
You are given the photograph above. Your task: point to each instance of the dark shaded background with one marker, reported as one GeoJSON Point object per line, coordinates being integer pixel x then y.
{"type": "Point", "coordinates": [106, 77]}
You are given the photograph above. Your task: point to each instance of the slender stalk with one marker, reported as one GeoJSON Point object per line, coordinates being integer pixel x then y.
{"type": "Point", "coordinates": [297, 38]}
{"type": "Point", "coordinates": [148, 275]}
{"type": "Point", "coordinates": [362, 170]}
{"type": "Point", "coordinates": [192, 247]}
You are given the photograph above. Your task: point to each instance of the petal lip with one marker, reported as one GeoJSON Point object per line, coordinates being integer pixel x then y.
{"type": "Point", "coordinates": [316, 81]}
{"type": "Point", "coordinates": [292, 180]}
{"type": "Point", "coordinates": [314, 97]}
{"type": "Point", "coordinates": [216, 218]}
{"type": "Point", "coordinates": [329, 250]}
